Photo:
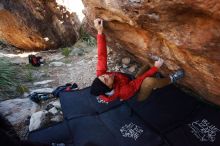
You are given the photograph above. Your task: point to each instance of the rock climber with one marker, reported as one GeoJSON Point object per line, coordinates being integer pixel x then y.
{"type": "Point", "coordinates": [110, 86]}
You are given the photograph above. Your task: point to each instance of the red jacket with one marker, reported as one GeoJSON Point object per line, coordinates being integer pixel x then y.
{"type": "Point", "coordinates": [123, 87]}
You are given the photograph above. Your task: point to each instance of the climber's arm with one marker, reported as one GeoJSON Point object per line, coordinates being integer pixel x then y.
{"type": "Point", "coordinates": [101, 67]}
{"type": "Point", "coordinates": [130, 89]}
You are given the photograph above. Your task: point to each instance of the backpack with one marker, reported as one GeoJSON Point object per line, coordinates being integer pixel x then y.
{"type": "Point", "coordinates": [35, 60]}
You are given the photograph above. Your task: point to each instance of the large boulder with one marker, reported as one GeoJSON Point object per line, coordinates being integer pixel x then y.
{"type": "Point", "coordinates": [185, 33]}
{"type": "Point", "coordinates": [37, 24]}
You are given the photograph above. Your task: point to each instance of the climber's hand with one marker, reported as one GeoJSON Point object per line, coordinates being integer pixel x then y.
{"type": "Point", "coordinates": [158, 63]}
{"type": "Point", "coordinates": [98, 23]}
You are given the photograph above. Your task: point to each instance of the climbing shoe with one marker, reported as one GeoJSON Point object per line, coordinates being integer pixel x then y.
{"type": "Point", "coordinates": [177, 75]}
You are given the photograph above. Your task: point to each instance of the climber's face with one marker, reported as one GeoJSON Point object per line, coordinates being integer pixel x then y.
{"type": "Point", "coordinates": [107, 79]}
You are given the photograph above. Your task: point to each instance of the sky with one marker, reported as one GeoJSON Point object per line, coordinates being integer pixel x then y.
{"type": "Point", "coordinates": [73, 6]}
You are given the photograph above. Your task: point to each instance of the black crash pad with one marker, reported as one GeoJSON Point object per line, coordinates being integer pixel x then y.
{"type": "Point", "coordinates": [202, 128]}
{"type": "Point", "coordinates": [58, 133]}
{"type": "Point", "coordinates": [129, 129]}
{"type": "Point", "coordinates": [165, 108]}
{"type": "Point", "coordinates": [168, 117]}
{"type": "Point", "coordinates": [82, 103]}
{"type": "Point", "coordinates": [90, 130]}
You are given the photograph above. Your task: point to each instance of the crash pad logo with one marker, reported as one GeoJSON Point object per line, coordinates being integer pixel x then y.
{"type": "Point", "coordinates": [99, 100]}
{"type": "Point", "coordinates": [131, 130]}
{"type": "Point", "coordinates": [203, 130]}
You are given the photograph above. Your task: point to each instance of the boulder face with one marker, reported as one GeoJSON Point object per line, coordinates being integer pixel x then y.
{"type": "Point", "coordinates": [37, 24]}
{"type": "Point", "coordinates": [185, 33]}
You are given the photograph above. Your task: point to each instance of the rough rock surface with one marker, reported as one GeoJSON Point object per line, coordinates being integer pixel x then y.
{"type": "Point", "coordinates": [37, 120]}
{"type": "Point", "coordinates": [18, 110]}
{"type": "Point", "coordinates": [37, 24]}
{"type": "Point", "coordinates": [185, 33]}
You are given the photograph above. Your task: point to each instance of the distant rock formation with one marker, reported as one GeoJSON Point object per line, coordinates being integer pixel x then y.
{"type": "Point", "coordinates": [37, 24]}
{"type": "Point", "coordinates": [185, 33]}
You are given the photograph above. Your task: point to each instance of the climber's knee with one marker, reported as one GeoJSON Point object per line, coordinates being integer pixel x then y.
{"type": "Point", "coordinates": [149, 82]}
